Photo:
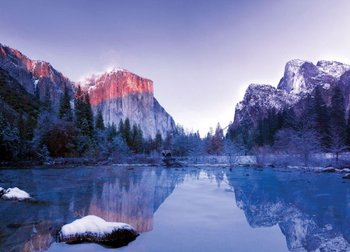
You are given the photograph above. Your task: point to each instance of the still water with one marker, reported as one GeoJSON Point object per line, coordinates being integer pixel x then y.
{"type": "Point", "coordinates": [186, 209]}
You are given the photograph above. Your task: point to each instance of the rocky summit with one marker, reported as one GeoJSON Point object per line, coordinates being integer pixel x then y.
{"type": "Point", "coordinates": [120, 94]}
{"type": "Point", "coordinates": [37, 77]}
{"type": "Point", "coordinates": [297, 84]}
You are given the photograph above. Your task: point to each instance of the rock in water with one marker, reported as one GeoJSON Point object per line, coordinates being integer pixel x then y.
{"type": "Point", "coordinates": [346, 176]}
{"type": "Point", "coordinates": [95, 229]}
{"type": "Point", "coordinates": [14, 193]}
{"type": "Point", "coordinates": [329, 169]}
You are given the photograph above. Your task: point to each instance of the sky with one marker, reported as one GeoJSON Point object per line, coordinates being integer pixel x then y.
{"type": "Point", "coordinates": [201, 55]}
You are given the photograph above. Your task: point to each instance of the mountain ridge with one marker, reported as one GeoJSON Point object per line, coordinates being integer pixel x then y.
{"type": "Point", "coordinates": [107, 90]}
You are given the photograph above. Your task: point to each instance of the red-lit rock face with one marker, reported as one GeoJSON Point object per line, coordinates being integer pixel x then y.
{"type": "Point", "coordinates": [116, 84]}
{"type": "Point", "coordinates": [37, 77]}
{"type": "Point", "coordinates": [120, 94]}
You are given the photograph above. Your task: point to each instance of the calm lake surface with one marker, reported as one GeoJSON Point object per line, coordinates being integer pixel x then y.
{"type": "Point", "coordinates": [186, 209]}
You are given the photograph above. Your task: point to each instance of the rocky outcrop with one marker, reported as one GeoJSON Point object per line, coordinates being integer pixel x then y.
{"type": "Point", "coordinates": [94, 229]}
{"type": "Point", "coordinates": [37, 77]}
{"type": "Point", "coordinates": [120, 94]}
{"type": "Point", "coordinates": [298, 82]}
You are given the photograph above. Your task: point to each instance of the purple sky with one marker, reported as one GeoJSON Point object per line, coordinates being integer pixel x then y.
{"type": "Point", "coordinates": [201, 55]}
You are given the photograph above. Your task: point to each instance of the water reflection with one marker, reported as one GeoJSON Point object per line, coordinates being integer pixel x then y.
{"type": "Point", "coordinates": [122, 194]}
{"type": "Point", "coordinates": [311, 210]}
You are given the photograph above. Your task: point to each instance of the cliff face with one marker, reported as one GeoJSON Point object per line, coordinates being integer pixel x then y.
{"type": "Point", "coordinates": [37, 77]}
{"type": "Point", "coordinates": [298, 82]}
{"type": "Point", "coordinates": [120, 94]}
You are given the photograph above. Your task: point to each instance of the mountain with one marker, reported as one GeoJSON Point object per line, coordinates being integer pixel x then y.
{"type": "Point", "coordinates": [294, 92]}
{"type": "Point", "coordinates": [120, 94]}
{"type": "Point", "coordinates": [37, 77]}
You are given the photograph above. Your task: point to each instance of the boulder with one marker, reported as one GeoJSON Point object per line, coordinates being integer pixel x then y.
{"type": "Point", "coordinates": [14, 194]}
{"type": "Point", "coordinates": [95, 229]}
{"type": "Point", "coordinates": [329, 169]}
{"type": "Point", "coordinates": [346, 176]}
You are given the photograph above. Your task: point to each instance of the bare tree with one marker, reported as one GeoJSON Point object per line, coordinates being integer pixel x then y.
{"type": "Point", "coordinates": [337, 146]}
{"type": "Point", "coordinates": [304, 142]}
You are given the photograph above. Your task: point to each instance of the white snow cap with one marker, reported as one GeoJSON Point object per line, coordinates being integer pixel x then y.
{"type": "Point", "coordinates": [15, 193]}
{"type": "Point", "coordinates": [92, 224]}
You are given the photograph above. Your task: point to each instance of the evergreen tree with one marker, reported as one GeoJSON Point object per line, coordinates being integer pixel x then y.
{"type": "Point", "coordinates": [338, 113]}
{"type": "Point", "coordinates": [321, 118]}
{"type": "Point", "coordinates": [99, 121]}
{"type": "Point", "coordinates": [137, 139]}
{"type": "Point", "coordinates": [158, 141]}
{"type": "Point", "coordinates": [88, 115]}
{"type": "Point", "coordinates": [47, 101]}
{"type": "Point", "coordinates": [83, 114]}
{"type": "Point", "coordinates": [111, 132]}
{"type": "Point", "coordinates": [126, 133]}
{"type": "Point", "coordinates": [121, 128]}
{"type": "Point", "coordinates": [65, 110]}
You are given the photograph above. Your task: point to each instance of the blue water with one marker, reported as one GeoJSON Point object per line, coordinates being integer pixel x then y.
{"type": "Point", "coordinates": [190, 209]}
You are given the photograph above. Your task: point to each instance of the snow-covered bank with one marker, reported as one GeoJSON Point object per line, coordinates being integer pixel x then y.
{"type": "Point", "coordinates": [14, 194]}
{"type": "Point", "coordinates": [95, 229]}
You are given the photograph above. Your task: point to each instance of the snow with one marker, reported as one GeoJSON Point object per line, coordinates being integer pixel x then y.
{"type": "Point", "coordinates": [93, 225]}
{"type": "Point", "coordinates": [15, 193]}
{"type": "Point", "coordinates": [333, 68]}
{"type": "Point", "coordinates": [90, 81]}
{"type": "Point", "coordinates": [326, 86]}
{"type": "Point", "coordinates": [36, 83]}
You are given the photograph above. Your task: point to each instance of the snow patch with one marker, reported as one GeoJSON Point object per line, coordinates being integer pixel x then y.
{"type": "Point", "coordinates": [15, 193]}
{"type": "Point", "coordinates": [93, 225]}
{"type": "Point", "coordinates": [326, 86]}
{"type": "Point", "coordinates": [36, 83]}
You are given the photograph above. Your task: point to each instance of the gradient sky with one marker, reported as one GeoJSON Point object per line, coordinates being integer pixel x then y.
{"type": "Point", "coordinates": [201, 55]}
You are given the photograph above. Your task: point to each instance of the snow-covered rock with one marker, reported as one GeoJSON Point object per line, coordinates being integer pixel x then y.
{"type": "Point", "coordinates": [346, 176]}
{"type": "Point", "coordinates": [95, 229]}
{"type": "Point", "coordinates": [298, 82]}
{"type": "Point", "coordinates": [15, 193]}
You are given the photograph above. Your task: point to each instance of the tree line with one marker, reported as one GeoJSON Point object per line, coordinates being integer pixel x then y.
{"type": "Point", "coordinates": [315, 127]}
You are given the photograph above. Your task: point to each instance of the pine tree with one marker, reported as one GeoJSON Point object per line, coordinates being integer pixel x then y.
{"type": "Point", "coordinates": [111, 132]}
{"type": "Point", "coordinates": [321, 118]}
{"type": "Point", "coordinates": [65, 110]}
{"type": "Point", "coordinates": [83, 114]}
{"type": "Point", "coordinates": [338, 112]}
{"type": "Point", "coordinates": [338, 124]}
{"type": "Point", "coordinates": [126, 133]}
{"type": "Point", "coordinates": [99, 121]}
{"type": "Point", "coordinates": [137, 139]}
{"type": "Point", "coordinates": [88, 115]}
{"type": "Point", "coordinates": [47, 101]}
{"type": "Point", "coordinates": [158, 141]}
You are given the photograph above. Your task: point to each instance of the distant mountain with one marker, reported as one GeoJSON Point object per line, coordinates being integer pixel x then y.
{"type": "Point", "coordinates": [293, 93]}
{"type": "Point", "coordinates": [120, 94]}
{"type": "Point", "coordinates": [37, 77]}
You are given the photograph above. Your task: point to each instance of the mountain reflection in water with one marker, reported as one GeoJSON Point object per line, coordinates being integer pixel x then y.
{"type": "Point", "coordinates": [311, 210]}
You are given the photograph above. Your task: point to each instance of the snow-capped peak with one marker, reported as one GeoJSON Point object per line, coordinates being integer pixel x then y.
{"type": "Point", "coordinates": [333, 68]}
